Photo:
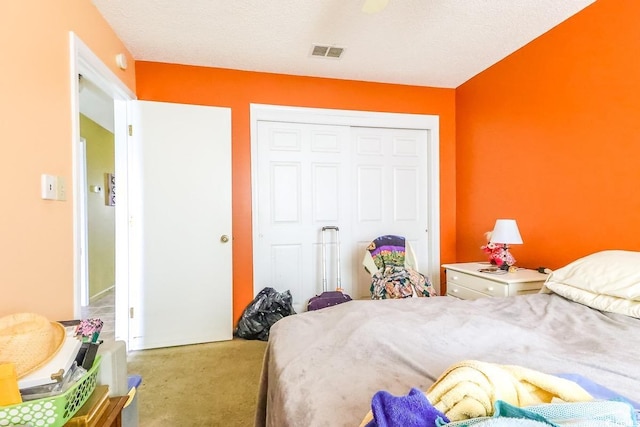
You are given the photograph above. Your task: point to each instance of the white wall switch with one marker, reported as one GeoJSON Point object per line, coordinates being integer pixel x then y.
{"type": "Point", "coordinates": [61, 188]}
{"type": "Point", "coordinates": [48, 187]}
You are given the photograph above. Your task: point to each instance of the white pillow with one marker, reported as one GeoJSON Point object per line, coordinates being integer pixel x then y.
{"type": "Point", "coordinates": [607, 281]}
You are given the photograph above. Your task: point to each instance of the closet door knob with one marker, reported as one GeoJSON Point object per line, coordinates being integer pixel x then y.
{"type": "Point", "coordinates": [224, 238]}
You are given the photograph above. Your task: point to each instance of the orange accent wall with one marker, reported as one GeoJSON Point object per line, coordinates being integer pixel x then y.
{"type": "Point", "coordinates": [36, 236]}
{"type": "Point", "coordinates": [238, 89]}
{"type": "Point", "coordinates": [550, 136]}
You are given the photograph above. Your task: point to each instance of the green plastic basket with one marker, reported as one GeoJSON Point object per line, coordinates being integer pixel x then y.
{"type": "Point", "coordinates": [52, 411]}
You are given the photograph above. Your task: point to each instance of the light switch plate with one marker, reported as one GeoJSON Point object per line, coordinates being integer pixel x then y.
{"type": "Point", "coordinates": [61, 188]}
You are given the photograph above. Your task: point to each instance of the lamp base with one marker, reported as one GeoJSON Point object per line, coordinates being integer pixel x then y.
{"type": "Point", "coordinates": [507, 259]}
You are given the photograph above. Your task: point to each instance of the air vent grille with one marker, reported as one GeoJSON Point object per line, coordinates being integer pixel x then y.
{"type": "Point", "coordinates": [320, 50]}
{"type": "Point", "coordinates": [327, 51]}
{"type": "Point", "coordinates": [334, 52]}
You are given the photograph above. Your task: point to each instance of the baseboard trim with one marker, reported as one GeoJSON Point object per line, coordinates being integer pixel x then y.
{"type": "Point", "coordinates": [101, 294]}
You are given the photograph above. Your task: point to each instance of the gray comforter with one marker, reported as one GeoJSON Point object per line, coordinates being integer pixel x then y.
{"type": "Point", "coordinates": [322, 368]}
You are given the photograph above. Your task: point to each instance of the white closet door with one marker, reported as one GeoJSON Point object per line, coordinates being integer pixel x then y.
{"type": "Point", "coordinates": [367, 181]}
{"type": "Point", "coordinates": [389, 192]}
{"type": "Point", "coordinates": [181, 225]}
{"type": "Point", "coordinates": [302, 185]}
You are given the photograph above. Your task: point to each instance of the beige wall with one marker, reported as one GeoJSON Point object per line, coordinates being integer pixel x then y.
{"type": "Point", "coordinates": [101, 229]}
{"type": "Point", "coordinates": [36, 236]}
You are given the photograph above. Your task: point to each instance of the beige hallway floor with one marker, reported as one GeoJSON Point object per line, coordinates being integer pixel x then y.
{"type": "Point", "coordinates": [103, 308]}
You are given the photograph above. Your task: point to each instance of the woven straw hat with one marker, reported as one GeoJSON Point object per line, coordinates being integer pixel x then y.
{"type": "Point", "coordinates": [29, 341]}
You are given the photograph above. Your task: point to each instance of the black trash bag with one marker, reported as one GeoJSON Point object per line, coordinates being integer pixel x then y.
{"type": "Point", "coordinates": [264, 311]}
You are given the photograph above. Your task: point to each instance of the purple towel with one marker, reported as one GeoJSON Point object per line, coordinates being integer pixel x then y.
{"type": "Point", "coordinates": [413, 410]}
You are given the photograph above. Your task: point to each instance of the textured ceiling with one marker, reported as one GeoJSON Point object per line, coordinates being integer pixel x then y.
{"type": "Point", "coordinates": [440, 43]}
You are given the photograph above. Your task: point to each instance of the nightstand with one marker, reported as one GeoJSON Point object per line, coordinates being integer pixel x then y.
{"type": "Point", "coordinates": [464, 281]}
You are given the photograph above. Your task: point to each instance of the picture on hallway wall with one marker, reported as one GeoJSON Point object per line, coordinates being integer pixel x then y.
{"type": "Point", "coordinates": [110, 195]}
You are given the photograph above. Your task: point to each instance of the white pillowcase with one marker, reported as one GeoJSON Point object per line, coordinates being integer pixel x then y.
{"type": "Point", "coordinates": [607, 281]}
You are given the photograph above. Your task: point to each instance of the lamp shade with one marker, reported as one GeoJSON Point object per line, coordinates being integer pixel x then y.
{"type": "Point", "coordinates": [506, 232]}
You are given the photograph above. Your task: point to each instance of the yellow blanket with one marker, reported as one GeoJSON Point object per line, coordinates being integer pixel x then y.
{"type": "Point", "coordinates": [469, 389]}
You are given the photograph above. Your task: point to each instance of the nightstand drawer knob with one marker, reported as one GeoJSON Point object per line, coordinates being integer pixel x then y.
{"type": "Point", "coordinates": [456, 278]}
{"type": "Point", "coordinates": [490, 288]}
{"type": "Point", "coordinates": [455, 291]}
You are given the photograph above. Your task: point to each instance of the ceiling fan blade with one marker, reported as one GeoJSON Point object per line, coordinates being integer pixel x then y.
{"type": "Point", "coordinates": [374, 6]}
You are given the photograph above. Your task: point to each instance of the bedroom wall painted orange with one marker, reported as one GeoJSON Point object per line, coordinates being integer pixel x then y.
{"type": "Point", "coordinates": [36, 236]}
{"type": "Point", "coordinates": [237, 89]}
{"type": "Point", "coordinates": [551, 136]}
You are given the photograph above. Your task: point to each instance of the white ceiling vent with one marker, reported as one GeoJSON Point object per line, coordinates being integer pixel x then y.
{"type": "Point", "coordinates": [327, 51]}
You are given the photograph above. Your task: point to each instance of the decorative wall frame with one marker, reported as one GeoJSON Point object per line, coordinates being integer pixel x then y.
{"type": "Point", "coordinates": [110, 185]}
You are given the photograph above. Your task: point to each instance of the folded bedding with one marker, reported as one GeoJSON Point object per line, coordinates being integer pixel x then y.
{"type": "Point", "coordinates": [471, 388]}
{"type": "Point", "coordinates": [413, 410]}
{"type": "Point", "coordinates": [509, 422]}
{"type": "Point", "coordinates": [595, 413]}
{"type": "Point", "coordinates": [598, 391]}
{"type": "Point", "coordinates": [474, 393]}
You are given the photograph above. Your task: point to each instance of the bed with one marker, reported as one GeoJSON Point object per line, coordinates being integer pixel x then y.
{"type": "Point", "coordinates": [322, 368]}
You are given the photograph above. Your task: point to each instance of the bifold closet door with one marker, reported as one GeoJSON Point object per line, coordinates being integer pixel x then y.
{"type": "Point", "coordinates": [302, 185]}
{"type": "Point", "coordinates": [389, 192]}
{"type": "Point", "coordinates": [367, 181]}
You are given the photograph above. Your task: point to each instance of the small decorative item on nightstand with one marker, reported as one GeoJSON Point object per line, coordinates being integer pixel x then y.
{"type": "Point", "coordinates": [505, 233]}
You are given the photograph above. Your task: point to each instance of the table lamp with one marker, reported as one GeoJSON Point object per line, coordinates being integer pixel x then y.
{"type": "Point", "coordinates": [506, 233]}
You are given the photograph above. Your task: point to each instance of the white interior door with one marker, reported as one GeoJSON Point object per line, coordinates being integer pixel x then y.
{"type": "Point", "coordinates": [181, 274]}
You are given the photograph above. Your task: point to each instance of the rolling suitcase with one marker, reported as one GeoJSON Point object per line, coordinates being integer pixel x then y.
{"type": "Point", "coordinates": [329, 298]}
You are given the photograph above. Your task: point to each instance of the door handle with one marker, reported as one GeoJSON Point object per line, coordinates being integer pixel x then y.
{"type": "Point", "coordinates": [224, 238]}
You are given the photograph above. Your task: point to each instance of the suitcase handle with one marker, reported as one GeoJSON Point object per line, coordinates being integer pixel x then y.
{"type": "Point", "coordinates": [324, 258]}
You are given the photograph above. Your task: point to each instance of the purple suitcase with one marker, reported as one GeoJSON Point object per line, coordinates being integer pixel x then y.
{"type": "Point", "coordinates": [329, 298]}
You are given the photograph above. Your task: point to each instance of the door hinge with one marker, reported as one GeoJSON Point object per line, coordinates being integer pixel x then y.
{"type": "Point", "coordinates": [130, 130]}
{"type": "Point", "coordinates": [130, 312]}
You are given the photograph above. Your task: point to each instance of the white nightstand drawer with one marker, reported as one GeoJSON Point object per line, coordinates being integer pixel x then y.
{"type": "Point", "coordinates": [484, 286]}
{"type": "Point", "coordinates": [461, 292]}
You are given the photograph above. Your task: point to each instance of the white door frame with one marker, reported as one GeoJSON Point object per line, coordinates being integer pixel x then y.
{"type": "Point", "coordinates": [430, 123]}
{"type": "Point", "coordinates": [83, 229]}
{"type": "Point", "coordinates": [84, 61]}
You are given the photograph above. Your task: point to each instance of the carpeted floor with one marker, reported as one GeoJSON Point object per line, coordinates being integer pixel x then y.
{"type": "Point", "coordinates": [202, 385]}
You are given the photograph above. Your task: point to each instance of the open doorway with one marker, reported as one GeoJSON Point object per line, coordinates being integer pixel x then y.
{"type": "Point", "coordinates": [109, 93]}
{"type": "Point", "coordinates": [96, 172]}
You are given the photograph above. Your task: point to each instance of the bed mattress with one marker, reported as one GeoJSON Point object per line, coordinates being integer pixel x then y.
{"type": "Point", "coordinates": [322, 368]}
